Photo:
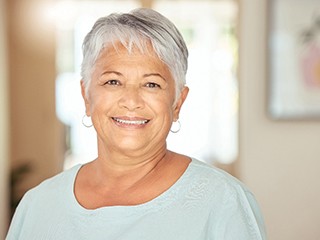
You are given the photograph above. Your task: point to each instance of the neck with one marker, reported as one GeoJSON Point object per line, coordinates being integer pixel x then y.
{"type": "Point", "coordinates": [123, 169]}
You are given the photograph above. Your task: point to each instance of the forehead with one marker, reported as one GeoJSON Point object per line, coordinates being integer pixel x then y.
{"type": "Point", "coordinates": [118, 55]}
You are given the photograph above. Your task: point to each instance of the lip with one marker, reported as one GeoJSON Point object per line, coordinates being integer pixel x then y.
{"type": "Point", "coordinates": [133, 122]}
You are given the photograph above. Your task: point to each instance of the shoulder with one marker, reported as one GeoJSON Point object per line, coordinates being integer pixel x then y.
{"type": "Point", "coordinates": [66, 175]}
{"type": "Point", "coordinates": [39, 200]}
{"type": "Point", "coordinates": [57, 185]}
{"type": "Point", "coordinates": [223, 191]}
{"type": "Point", "coordinates": [221, 185]}
{"type": "Point", "coordinates": [230, 200]}
{"type": "Point", "coordinates": [216, 177]}
{"type": "Point", "coordinates": [40, 197]}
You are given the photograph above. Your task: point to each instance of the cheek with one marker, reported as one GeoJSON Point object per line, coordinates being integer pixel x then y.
{"type": "Point", "coordinates": [163, 108]}
{"type": "Point", "coordinates": [162, 101]}
{"type": "Point", "coordinates": [100, 102]}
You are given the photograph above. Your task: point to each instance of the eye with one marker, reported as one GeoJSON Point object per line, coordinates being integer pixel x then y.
{"type": "Point", "coordinates": [113, 82]}
{"type": "Point", "coordinates": [152, 85]}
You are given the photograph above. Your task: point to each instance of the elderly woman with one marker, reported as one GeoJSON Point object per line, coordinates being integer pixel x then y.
{"type": "Point", "coordinates": [133, 86]}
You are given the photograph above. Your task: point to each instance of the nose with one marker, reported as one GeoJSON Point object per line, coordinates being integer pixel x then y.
{"type": "Point", "coordinates": [131, 99]}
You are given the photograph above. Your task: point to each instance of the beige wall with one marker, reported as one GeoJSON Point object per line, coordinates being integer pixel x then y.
{"type": "Point", "coordinates": [36, 135]}
{"type": "Point", "coordinates": [280, 161]}
{"type": "Point", "coordinates": [4, 123]}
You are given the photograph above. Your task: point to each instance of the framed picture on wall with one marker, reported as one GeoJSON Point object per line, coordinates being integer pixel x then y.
{"type": "Point", "coordinates": [294, 59]}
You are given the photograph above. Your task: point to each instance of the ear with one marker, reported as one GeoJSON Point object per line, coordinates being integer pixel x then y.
{"type": "Point", "coordinates": [85, 98]}
{"type": "Point", "coordinates": [179, 103]}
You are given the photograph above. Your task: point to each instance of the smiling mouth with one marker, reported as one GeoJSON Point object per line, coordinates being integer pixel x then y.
{"type": "Point", "coordinates": [130, 122]}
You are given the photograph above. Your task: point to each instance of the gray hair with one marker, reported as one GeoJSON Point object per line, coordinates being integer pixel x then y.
{"type": "Point", "coordinates": [137, 28]}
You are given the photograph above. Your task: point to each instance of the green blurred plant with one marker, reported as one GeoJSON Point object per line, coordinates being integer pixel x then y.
{"type": "Point", "coordinates": [17, 176]}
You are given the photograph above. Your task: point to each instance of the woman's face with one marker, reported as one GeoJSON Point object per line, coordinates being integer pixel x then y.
{"type": "Point", "coordinates": [130, 100]}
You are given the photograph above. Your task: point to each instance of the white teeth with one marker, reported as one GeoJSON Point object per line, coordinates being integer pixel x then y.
{"type": "Point", "coordinates": [131, 122]}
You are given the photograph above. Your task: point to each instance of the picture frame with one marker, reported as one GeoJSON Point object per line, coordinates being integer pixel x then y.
{"type": "Point", "coordinates": [294, 59]}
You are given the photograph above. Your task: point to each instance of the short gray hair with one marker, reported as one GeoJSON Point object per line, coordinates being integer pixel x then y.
{"type": "Point", "coordinates": [137, 28]}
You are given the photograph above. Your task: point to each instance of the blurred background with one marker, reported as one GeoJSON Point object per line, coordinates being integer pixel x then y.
{"type": "Point", "coordinates": [237, 115]}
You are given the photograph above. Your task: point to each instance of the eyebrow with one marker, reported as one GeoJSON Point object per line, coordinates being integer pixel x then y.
{"type": "Point", "coordinates": [144, 75]}
{"type": "Point", "coordinates": [154, 74]}
{"type": "Point", "coordinates": [109, 72]}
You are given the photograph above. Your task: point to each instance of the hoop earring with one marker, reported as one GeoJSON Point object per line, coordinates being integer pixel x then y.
{"type": "Point", "coordinates": [86, 121]}
{"type": "Point", "coordinates": [177, 127]}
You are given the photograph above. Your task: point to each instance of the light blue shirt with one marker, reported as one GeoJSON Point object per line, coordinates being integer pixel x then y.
{"type": "Point", "coordinates": [204, 204]}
